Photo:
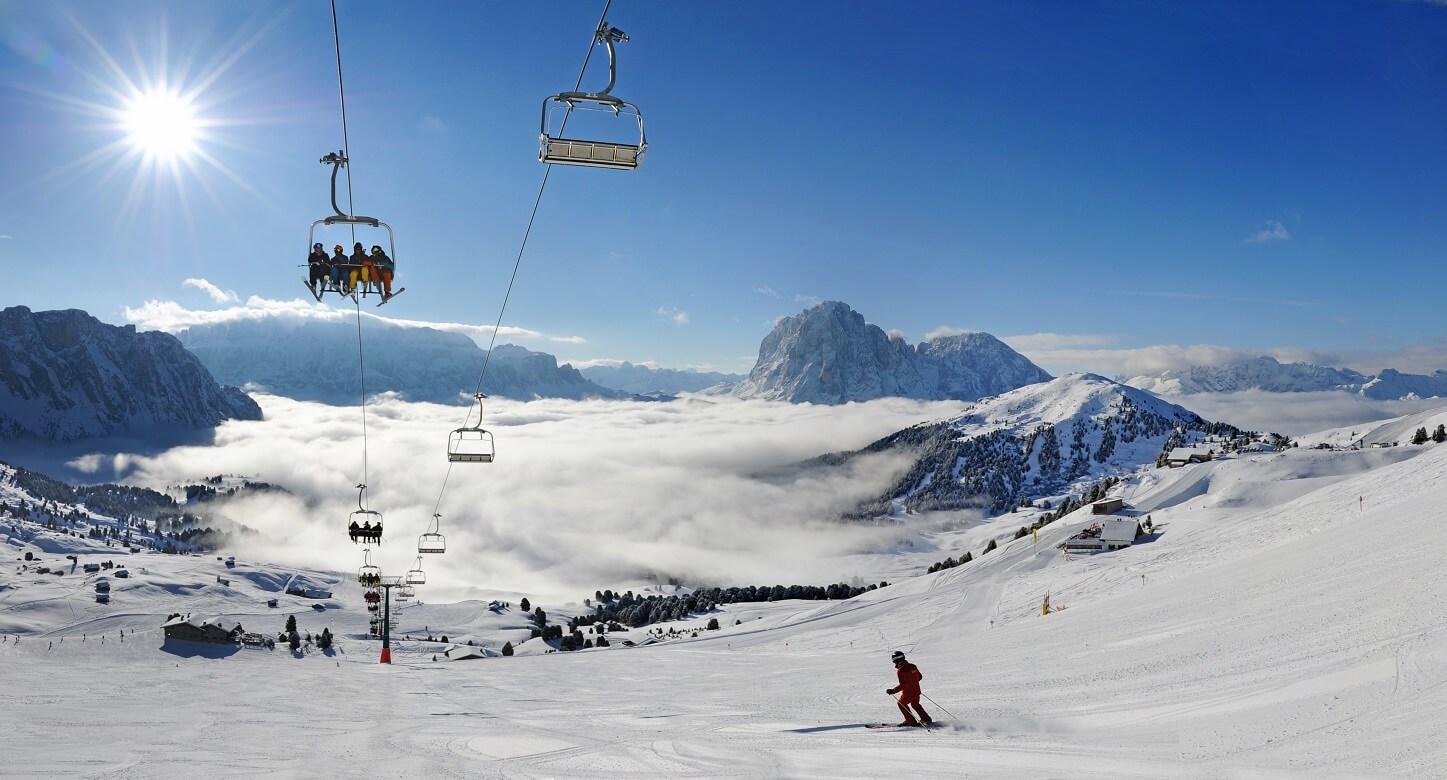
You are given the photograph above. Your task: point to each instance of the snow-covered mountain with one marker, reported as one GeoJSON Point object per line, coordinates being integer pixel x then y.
{"type": "Point", "coordinates": [642, 380]}
{"type": "Point", "coordinates": [829, 355]}
{"type": "Point", "coordinates": [316, 360]}
{"type": "Point", "coordinates": [1266, 373]}
{"type": "Point", "coordinates": [1041, 440]}
{"type": "Point", "coordinates": [64, 375]}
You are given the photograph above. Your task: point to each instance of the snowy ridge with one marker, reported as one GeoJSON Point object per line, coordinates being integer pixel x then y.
{"type": "Point", "coordinates": [64, 375]}
{"type": "Point", "coordinates": [316, 360]}
{"type": "Point", "coordinates": [1038, 441]}
{"type": "Point", "coordinates": [829, 355]}
{"type": "Point", "coordinates": [643, 380]}
{"type": "Point", "coordinates": [1265, 373]}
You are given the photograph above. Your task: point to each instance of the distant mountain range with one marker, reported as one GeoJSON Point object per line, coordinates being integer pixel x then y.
{"type": "Point", "coordinates": [64, 376]}
{"type": "Point", "coordinates": [1267, 374]}
{"type": "Point", "coordinates": [1040, 440]}
{"type": "Point", "coordinates": [642, 380]}
{"type": "Point", "coordinates": [317, 360]}
{"type": "Point", "coordinates": [829, 355]}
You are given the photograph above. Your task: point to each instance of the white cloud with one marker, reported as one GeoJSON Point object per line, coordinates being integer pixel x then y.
{"type": "Point", "coordinates": [808, 301]}
{"type": "Point", "coordinates": [1271, 231]}
{"type": "Point", "coordinates": [679, 317]}
{"type": "Point", "coordinates": [4, 237]}
{"type": "Point", "coordinates": [1138, 361]}
{"type": "Point", "coordinates": [171, 317]}
{"type": "Point", "coordinates": [895, 334]}
{"type": "Point", "coordinates": [769, 291]}
{"type": "Point", "coordinates": [216, 293]}
{"type": "Point", "coordinates": [1296, 414]}
{"type": "Point", "coordinates": [583, 495]}
{"type": "Point", "coordinates": [943, 331]}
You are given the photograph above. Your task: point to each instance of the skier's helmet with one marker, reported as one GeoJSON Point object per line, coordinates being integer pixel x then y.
{"type": "Point", "coordinates": [897, 657]}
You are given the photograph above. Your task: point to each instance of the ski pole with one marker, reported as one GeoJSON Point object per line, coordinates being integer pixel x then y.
{"type": "Point", "coordinates": [942, 709]}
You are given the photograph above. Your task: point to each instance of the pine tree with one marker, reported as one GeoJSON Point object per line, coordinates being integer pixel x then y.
{"type": "Point", "coordinates": [989, 546]}
{"type": "Point", "coordinates": [507, 648]}
{"type": "Point", "coordinates": [525, 605]}
{"type": "Point", "coordinates": [1420, 437]}
{"type": "Point", "coordinates": [291, 624]}
{"type": "Point", "coordinates": [1440, 435]}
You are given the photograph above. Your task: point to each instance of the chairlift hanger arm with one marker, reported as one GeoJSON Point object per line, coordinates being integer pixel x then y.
{"type": "Point", "coordinates": [337, 160]}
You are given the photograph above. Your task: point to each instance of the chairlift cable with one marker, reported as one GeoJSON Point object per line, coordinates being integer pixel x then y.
{"type": "Point", "coordinates": [517, 263]}
{"type": "Point", "coordinates": [362, 380]}
{"type": "Point", "coordinates": [342, 94]}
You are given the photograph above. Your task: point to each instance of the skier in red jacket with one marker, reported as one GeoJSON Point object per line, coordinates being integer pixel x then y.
{"type": "Point", "coordinates": [908, 690]}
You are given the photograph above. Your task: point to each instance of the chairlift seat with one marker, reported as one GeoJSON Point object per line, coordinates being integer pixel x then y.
{"type": "Point", "coordinates": [431, 543]}
{"type": "Point", "coordinates": [470, 445]}
{"type": "Point", "coordinates": [597, 154]}
{"type": "Point", "coordinates": [416, 577]}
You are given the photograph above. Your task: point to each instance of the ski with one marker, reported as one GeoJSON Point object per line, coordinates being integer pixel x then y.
{"type": "Point", "coordinates": [314, 293]}
{"type": "Point", "coordinates": [386, 298]}
{"type": "Point", "coordinates": [898, 727]}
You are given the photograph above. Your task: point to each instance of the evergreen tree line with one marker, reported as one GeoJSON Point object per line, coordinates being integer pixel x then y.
{"type": "Point", "coordinates": [1438, 436]}
{"type": "Point", "coordinates": [627, 609]}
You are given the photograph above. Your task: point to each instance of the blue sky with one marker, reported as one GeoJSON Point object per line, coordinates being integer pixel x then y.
{"type": "Point", "coordinates": [1113, 186]}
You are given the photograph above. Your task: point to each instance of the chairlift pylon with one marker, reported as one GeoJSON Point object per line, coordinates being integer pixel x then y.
{"type": "Point", "coordinates": [337, 160]}
{"type": "Point", "coordinates": [432, 541]}
{"type": "Point", "coordinates": [471, 443]}
{"type": "Point", "coordinates": [555, 149]}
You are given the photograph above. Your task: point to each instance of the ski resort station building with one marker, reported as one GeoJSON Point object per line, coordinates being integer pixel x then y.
{"type": "Point", "coordinates": [216, 630]}
{"type": "Point", "coordinates": [1108, 535]}
{"type": "Point", "coordinates": [1184, 456]}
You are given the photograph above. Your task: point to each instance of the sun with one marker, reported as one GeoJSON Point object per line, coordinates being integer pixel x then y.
{"type": "Point", "coordinates": [161, 124]}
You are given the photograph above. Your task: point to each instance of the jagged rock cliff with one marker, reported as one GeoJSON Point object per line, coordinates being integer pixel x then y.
{"type": "Point", "coordinates": [829, 355]}
{"type": "Point", "coordinates": [316, 360]}
{"type": "Point", "coordinates": [65, 375]}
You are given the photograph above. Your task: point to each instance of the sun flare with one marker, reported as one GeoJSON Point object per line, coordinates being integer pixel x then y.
{"type": "Point", "coordinates": [161, 124]}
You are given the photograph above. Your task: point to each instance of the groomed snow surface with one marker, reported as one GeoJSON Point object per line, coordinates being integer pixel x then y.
{"type": "Point", "coordinates": [1274, 626]}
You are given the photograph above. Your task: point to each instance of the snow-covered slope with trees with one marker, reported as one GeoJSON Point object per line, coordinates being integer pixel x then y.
{"type": "Point", "coordinates": [829, 355]}
{"type": "Point", "coordinates": [1041, 440]}
{"type": "Point", "coordinates": [64, 376]}
{"type": "Point", "coordinates": [316, 360]}
{"type": "Point", "coordinates": [1276, 622]}
{"type": "Point", "coordinates": [1266, 373]}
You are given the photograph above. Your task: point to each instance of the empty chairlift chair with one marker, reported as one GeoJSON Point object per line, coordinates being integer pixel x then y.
{"type": "Point", "coordinates": [471, 443]}
{"type": "Point", "coordinates": [622, 155]}
{"type": "Point", "coordinates": [416, 576]}
{"type": "Point", "coordinates": [432, 541]}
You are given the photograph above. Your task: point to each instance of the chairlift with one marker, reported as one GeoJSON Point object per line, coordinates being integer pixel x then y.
{"type": "Point", "coordinates": [406, 592]}
{"type": "Point", "coordinates": [432, 541]}
{"type": "Point", "coordinates": [417, 576]}
{"type": "Point", "coordinates": [471, 443]}
{"type": "Point", "coordinates": [364, 524]}
{"type": "Point", "coordinates": [369, 573]}
{"type": "Point", "coordinates": [555, 149]}
{"type": "Point", "coordinates": [337, 160]}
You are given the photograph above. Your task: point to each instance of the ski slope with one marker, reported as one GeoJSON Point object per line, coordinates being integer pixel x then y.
{"type": "Point", "coordinates": [1273, 626]}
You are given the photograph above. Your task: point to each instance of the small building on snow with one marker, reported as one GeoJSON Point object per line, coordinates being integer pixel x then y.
{"type": "Point", "coordinates": [1184, 456]}
{"type": "Point", "coordinates": [1107, 535]}
{"type": "Point", "coordinates": [1108, 506]}
{"type": "Point", "coordinates": [215, 630]}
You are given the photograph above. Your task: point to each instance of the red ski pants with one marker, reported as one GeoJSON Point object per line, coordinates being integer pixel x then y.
{"type": "Point", "coordinates": [905, 702]}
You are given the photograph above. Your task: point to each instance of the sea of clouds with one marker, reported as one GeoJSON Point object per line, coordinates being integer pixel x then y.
{"type": "Point", "coordinates": [584, 495]}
